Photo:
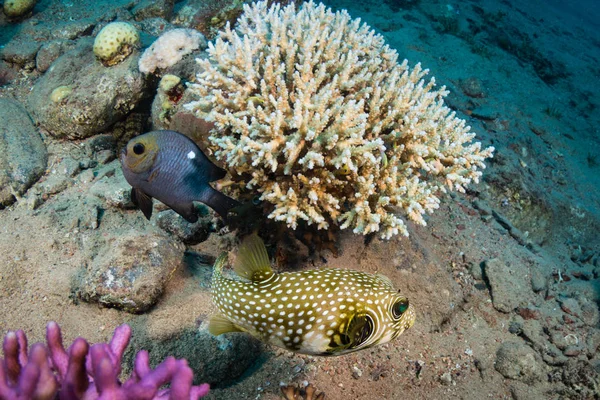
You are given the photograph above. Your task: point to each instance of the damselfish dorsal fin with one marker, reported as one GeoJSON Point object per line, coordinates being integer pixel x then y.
{"type": "Point", "coordinates": [252, 261]}
{"type": "Point", "coordinates": [219, 324]}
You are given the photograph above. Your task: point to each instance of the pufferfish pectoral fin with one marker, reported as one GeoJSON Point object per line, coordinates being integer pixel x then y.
{"type": "Point", "coordinates": [142, 201]}
{"type": "Point", "coordinates": [359, 329]}
{"type": "Point", "coordinates": [219, 324]}
{"type": "Point", "coordinates": [252, 261]}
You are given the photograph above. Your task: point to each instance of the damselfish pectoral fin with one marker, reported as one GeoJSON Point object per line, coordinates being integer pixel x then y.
{"type": "Point", "coordinates": [219, 324]}
{"type": "Point", "coordinates": [186, 210]}
{"type": "Point", "coordinates": [142, 201]}
{"type": "Point", "coordinates": [252, 261]}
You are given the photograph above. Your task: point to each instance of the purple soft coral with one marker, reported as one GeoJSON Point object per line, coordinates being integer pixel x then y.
{"type": "Point", "coordinates": [74, 375]}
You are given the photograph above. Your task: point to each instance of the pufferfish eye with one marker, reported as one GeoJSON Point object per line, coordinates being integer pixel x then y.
{"type": "Point", "coordinates": [138, 148]}
{"type": "Point", "coordinates": [399, 308]}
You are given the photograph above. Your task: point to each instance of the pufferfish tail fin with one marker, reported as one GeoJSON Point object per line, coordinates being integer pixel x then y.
{"type": "Point", "coordinates": [252, 261]}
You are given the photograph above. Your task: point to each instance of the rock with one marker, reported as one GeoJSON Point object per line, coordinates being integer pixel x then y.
{"type": "Point", "coordinates": [538, 280]}
{"type": "Point", "coordinates": [218, 360]}
{"type": "Point", "coordinates": [105, 156]}
{"type": "Point", "coordinates": [533, 331]}
{"type": "Point", "coordinates": [129, 272]}
{"type": "Point", "coordinates": [515, 360]}
{"type": "Point", "coordinates": [589, 313]}
{"type": "Point", "coordinates": [8, 72]}
{"type": "Point", "coordinates": [188, 233]}
{"type": "Point", "coordinates": [49, 52]}
{"type": "Point", "coordinates": [99, 143]}
{"type": "Point", "coordinates": [78, 97]}
{"type": "Point", "coordinates": [570, 306]}
{"type": "Point", "coordinates": [73, 212]}
{"type": "Point", "coordinates": [559, 339]}
{"type": "Point", "coordinates": [582, 377]}
{"type": "Point", "coordinates": [356, 372]}
{"type": "Point", "coordinates": [153, 28]}
{"type": "Point", "coordinates": [55, 183]}
{"type": "Point", "coordinates": [115, 191]}
{"type": "Point", "coordinates": [209, 17]}
{"type": "Point", "coordinates": [593, 341]}
{"type": "Point", "coordinates": [472, 87]}
{"type": "Point", "coordinates": [153, 9]}
{"type": "Point", "coordinates": [60, 177]}
{"type": "Point", "coordinates": [553, 356]}
{"type": "Point", "coordinates": [21, 52]}
{"type": "Point", "coordinates": [485, 113]}
{"type": "Point", "coordinates": [446, 378]}
{"type": "Point", "coordinates": [508, 286]}
{"type": "Point", "coordinates": [476, 271]}
{"type": "Point", "coordinates": [23, 154]}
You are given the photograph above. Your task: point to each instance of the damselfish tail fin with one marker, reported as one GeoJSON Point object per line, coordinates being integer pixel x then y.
{"type": "Point", "coordinates": [218, 201]}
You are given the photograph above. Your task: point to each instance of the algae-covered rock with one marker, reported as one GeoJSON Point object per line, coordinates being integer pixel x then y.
{"type": "Point", "coordinates": [515, 360]}
{"type": "Point", "coordinates": [218, 360]}
{"type": "Point", "coordinates": [129, 271]}
{"type": "Point", "coordinates": [99, 96]}
{"type": "Point", "coordinates": [508, 284]}
{"type": "Point", "coordinates": [23, 155]}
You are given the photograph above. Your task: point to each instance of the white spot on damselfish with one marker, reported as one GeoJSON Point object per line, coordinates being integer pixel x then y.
{"type": "Point", "coordinates": [191, 155]}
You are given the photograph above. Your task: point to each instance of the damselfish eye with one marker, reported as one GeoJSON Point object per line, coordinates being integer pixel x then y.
{"type": "Point", "coordinates": [138, 148]}
{"type": "Point", "coordinates": [400, 308]}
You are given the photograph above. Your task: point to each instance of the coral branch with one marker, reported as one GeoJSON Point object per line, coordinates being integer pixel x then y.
{"type": "Point", "coordinates": [314, 106]}
{"type": "Point", "coordinates": [90, 373]}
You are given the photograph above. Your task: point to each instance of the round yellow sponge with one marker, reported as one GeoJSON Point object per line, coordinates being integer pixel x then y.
{"type": "Point", "coordinates": [115, 42]}
{"type": "Point", "coordinates": [18, 8]}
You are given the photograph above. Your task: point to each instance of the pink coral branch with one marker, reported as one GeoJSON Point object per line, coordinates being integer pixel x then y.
{"type": "Point", "coordinates": [90, 373]}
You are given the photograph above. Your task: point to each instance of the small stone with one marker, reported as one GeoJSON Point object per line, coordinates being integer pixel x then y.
{"type": "Point", "coordinates": [472, 87]}
{"type": "Point", "coordinates": [518, 235]}
{"type": "Point", "coordinates": [356, 372]}
{"type": "Point", "coordinates": [558, 338]}
{"type": "Point", "coordinates": [573, 351]}
{"type": "Point", "coordinates": [483, 207]}
{"type": "Point", "coordinates": [189, 233]}
{"type": "Point", "coordinates": [446, 378]}
{"type": "Point", "coordinates": [476, 271]}
{"type": "Point", "coordinates": [486, 218]}
{"type": "Point", "coordinates": [55, 183]}
{"type": "Point", "coordinates": [105, 156]}
{"type": "Point", "coordinates": [485, 113]}
{"type": "Point", "coordinates": [538, 281]}
{"type": "Point", "coordinates": [153, 9]}
{"type": "Point", "coordinates": [97, 143]}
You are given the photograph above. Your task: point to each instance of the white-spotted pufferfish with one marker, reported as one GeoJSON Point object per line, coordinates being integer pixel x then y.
{"type": "Point", "coordinates": [321, 312]}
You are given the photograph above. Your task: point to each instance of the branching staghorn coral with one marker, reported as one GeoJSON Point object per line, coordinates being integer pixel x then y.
{"type": "Point", "coordinates": [314, 107]}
